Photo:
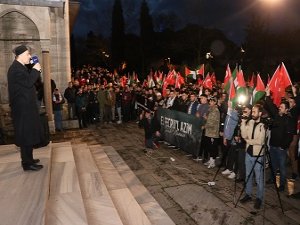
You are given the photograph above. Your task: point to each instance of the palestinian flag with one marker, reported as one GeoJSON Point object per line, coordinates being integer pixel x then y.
{"type": "Point", "coordinates": [200, 71]}
{"type": "Point", "coordinates": [259, 90]}
{"type": "Point", "coordinates": [190, 73]}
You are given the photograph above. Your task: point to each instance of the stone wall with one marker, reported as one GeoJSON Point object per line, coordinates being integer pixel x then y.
{"type": "Point", "coordinates": [43, 26]}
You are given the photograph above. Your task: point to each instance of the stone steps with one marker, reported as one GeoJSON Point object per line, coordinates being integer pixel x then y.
{"type": "Point", "coordinates": [129, 210]}
{"type": "Point", "coordinates": [79, 185]}
{"type": "Point", "coordinates": [23, 195]}
{"type": "Point", "coordinates": [65, 205]}
{"type": "Point", "coordinates": [100, 209]}
{"type": "Point", "coordinates": [150, 206]}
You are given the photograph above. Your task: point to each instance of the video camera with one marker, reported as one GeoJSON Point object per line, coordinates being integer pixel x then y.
{"type": "Point", "coordinates": [267, 121]}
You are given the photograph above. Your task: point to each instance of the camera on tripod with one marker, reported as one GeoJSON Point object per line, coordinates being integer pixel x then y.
{"type": "Point", "coordinates": [267, 121]}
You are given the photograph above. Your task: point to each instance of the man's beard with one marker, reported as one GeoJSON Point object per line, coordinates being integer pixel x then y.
{"type": "Point", "coordinates": [255, 118]}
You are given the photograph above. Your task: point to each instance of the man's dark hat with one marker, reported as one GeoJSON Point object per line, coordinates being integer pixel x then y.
{"type": "Point", "coordinates": [213, 99]}
{"type": "Point", "coordinates": [20, 49]}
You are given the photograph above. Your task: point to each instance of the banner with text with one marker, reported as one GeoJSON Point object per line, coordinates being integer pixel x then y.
{"type": "Point", "coordinates": [181, 129]}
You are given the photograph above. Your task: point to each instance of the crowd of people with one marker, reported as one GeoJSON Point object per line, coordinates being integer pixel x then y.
{"type": "Point", "coordinates": [235, 134]}
{"type": "Point", "coordinates": [240, 135]}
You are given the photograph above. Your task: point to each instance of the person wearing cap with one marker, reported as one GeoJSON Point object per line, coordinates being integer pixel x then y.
{"type": "Point", "coordinates": [211, 134]}
{"type": "Point", "coordinates": [24, 109]}
{"type": "Point", "coordinates": [202, 113]}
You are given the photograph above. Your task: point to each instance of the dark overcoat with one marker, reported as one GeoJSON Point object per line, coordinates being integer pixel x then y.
{"type": "Point", "coordinates": [23, 103]}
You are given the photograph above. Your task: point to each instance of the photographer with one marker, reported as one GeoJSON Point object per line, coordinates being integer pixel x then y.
{"type": "Point", "coordinates": [254, 133]}
{"type": "Point", "coordinates": [151, 125]}
{"type": "Point", "coordinates": [235, 163]}
{"type": "Point", "coordinates": [282, 131]}
{"type": "Point", "coordinates": [230, 124]}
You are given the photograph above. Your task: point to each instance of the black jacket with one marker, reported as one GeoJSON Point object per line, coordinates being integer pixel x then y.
{"type": "Point", "coordinates": [283, 127]}
{"type": "Point", "coordinates": [23, 103]}
{"type": "Point", "coordinates": [150, 126]}
{"type": "Point", "coordinates": [70, 94]}
{"type": "Point", "coordinates": [183, 105]}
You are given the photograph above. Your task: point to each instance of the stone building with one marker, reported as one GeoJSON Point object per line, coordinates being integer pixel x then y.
{"type": "Point", "coordinates": [44, 26]}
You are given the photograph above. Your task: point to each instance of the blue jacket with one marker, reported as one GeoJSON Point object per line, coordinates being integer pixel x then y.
{"type": "Point", "coordinates": [231, 122]}
{"type": "Point", "coordinates": [194, 107]}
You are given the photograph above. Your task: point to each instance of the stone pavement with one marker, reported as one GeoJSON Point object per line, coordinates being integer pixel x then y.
{"type": "Point", "coordinates": [180, 186]}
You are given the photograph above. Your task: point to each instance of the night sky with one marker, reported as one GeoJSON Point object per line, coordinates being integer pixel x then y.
{"type": "Point", "coordinates": [231, 16]}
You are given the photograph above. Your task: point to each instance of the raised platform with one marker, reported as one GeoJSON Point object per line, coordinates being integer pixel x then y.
{"type": "Point", "coordinates": [23, 195]}
{"type": "Point", "coordinates": [79, 185]}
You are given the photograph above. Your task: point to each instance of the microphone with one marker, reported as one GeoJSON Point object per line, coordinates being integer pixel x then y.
{"type": "Point", "coordinates": [34, 60]}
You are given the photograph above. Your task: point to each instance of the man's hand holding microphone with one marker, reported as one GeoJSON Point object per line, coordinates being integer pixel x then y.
{"type": "Point", "coordinates": [36, 64]}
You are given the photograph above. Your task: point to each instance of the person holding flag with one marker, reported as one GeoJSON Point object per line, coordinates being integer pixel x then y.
{"type": "Point", "coordinates": [282, 131]}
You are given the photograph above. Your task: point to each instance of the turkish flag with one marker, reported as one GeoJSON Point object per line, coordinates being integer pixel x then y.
{"type": "Point", "coordinates": [171, 77]}
{"type": "Point", "coordinates": [227, 75]}
{"type": "Point", "coordinates": [207, 83]}
{"type": "Point", "coordinates": [251, 82]}
{"type": "Point", "coordinates": [213, 79]}
{"type": "Point", "coordinates": [231, 91]}
{"type": "Point", "coordinates": [179, 80]}
{"type": "Point", "coordinates": [279, 82]}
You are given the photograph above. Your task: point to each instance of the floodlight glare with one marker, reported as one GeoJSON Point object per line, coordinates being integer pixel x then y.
{"type": "Point", "coordinates": [242, 99]}
{"type": "Point", "coordinates": [272, 2]}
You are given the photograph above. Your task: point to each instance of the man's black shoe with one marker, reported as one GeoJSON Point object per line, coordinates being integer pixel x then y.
{"type": "Point", "coordinates": [294, 176]}
{"type": "Point", "coordinates": [240, 180]}
{"type": "Point", "coordinates": [257, 203]}
{"type": "Point", "coordinates": [35, 161]}
{"type": "Point", "coordinates": [269, 181]}
{"type": "Point", "coordinates": [246, 198]}
{"type": "Point", "coordinates": [281, 189]}
{"type": "Point", "coordinates": [33, 167]}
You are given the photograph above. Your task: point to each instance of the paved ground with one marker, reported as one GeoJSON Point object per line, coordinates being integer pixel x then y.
{"type": "Point", "coordinates": [180, 186]}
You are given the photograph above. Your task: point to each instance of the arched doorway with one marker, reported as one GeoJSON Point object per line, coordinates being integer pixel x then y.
{"type": "Point", "coordinates": [15, 29]}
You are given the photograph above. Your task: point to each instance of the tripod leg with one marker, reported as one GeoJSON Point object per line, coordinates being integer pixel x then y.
{"type": "Point", "coordinates": [274, 180]}
{"type": "Point", "coordinates": [216, 173]}
{"type": "Point", "coordinates": [247, 179]}
{"type": "Point", "coordinates": [234, 193]}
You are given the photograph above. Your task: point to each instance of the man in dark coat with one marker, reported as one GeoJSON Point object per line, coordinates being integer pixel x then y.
{"type": "Point", "coordinates": [151, 127]}
{"type": "Point", "coordinates": [23, 103]}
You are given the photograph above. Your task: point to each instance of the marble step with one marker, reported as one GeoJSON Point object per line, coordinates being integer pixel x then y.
{"type": "Point", "coordinates": [65, 204]}
{"type": "Point", "coordinates": [23, 195]}
{"type": "Point", "coordinates": [100, 209]}
{"type": "Point", "coordinates": [152, 209]}
{"type": "Point", "coordinates": [129, 210]}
